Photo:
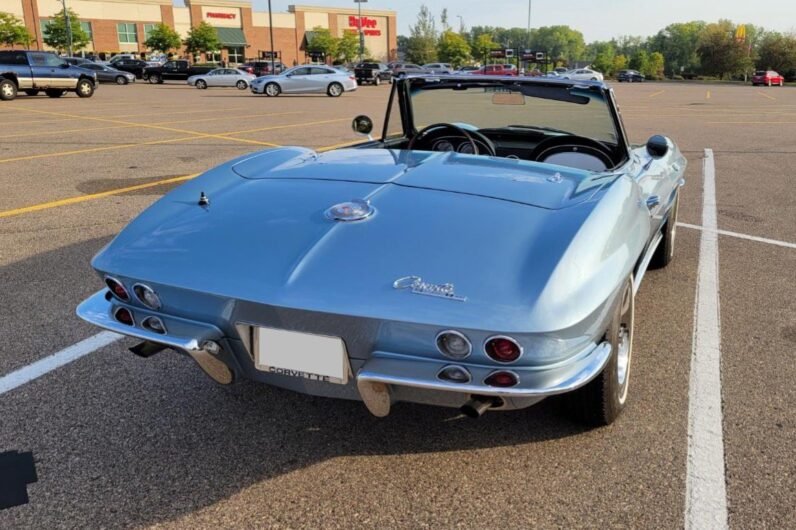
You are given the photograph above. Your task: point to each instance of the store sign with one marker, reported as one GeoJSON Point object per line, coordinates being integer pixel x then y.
{"type": "Point", "coordinates": [369, 25]}
{"type": "Point", "coordinates": [227, 16]}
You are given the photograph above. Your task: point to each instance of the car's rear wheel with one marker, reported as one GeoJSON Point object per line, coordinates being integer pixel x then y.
{"type": "Point", "coordinates": [335, 90]}
{"type": "Point", "coordinates": [241, 85]}
{"type": "Point", "coordinates": [54, 92]}
{"type": "Point", "coordinates": [377, 81]}
{"type": "Point", "coordinates": [85, 88]}
{"type": "Point", "coordinates": [8, 89]}
{"type": "Point", "coordinates": [601, 401]}
{"type": "Point", "coordinates": [154, 79]}
{"type": "Point", "coordinates": [665, 251]}
{"type": "Point", "coordinates": [272, 90]}
{"type": "Point", "coordinates": [201, 84]}
{"type": "Point", "coordinates": [121, 80]}
{"type": "Point", "coordinates": [32, 91]}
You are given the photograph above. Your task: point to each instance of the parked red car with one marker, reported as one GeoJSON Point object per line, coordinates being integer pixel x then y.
{"type": "Point", "coordinates": [495, 69]}
{"type": "Point", "coordinates": [767, 77]}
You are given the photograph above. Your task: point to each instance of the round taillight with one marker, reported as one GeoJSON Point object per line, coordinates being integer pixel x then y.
{"type": "Point", "coordinates": [146, 296]}
{"type": "Point", "coordinates": [117, 288]}
{"type": "Point", "coordinates": [453, 344]}
{"type": "Point", "coordinates": [502, 379]}
{"type": "Point", "coordinates": [503, 349]}
{"type": "Point", "coordinates": [154, 324]}
{"type": "Point", "coordinates": [124, 316]}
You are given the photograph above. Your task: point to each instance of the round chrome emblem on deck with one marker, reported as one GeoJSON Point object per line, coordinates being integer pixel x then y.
{"type": "Point", "coordinates": [355, 210]}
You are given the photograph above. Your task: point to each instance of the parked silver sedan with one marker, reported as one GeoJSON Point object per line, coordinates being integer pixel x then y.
{"type": "Point", "coordinates": [222, 77]}
{"type": "Point", "coordinates": [307, 79]}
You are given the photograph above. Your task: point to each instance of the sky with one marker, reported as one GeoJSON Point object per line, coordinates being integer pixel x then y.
{"type": "Point", "coordinates": [597, 20]}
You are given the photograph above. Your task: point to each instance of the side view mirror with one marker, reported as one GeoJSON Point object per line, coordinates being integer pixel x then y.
{"type": "Point", "coordinates": [362, 125]}
{"type": "Point", "coordinates": [658, 146]}
{"type": "Point", "coordinates": [65, 65]}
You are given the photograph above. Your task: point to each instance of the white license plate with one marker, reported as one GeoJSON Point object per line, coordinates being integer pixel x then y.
{"type": "Point", "coordinates": [313, 357]}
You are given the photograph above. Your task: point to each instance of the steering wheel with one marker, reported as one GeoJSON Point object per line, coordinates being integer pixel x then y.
{"type": "Point", "coordinates": [570, 143]}
{"type": "Point", "coordinates": [467, 135]}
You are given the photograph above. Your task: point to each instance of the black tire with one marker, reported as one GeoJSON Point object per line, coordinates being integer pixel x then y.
{"type": "Point", "coordinates": [8, 90]}
{"type": "Point", "coordinates": [665, 251]}
{"type": "Point", "coordinates": [154, 79]}
{"type": "Point", "coordinates": [377, 81]}
{"type": "Point", "coordinates": [121, 80]}
{"type": "Point", "coordinates": [242, 85]}
{"type": "Point", "coordinates": [84, 88]}
{"type": "Point", "coordinates": [272, 90]}
{"type": "Point", "coordinates": [32, 91]}
{"type": "Point", "coordinates": [335, 90]}
{"type": "Point", "coordinates": [54, 92]}
{"type": "Point", "coordinates": [201, 84]}
{"type": "Point", "coordinates": [602, 400]}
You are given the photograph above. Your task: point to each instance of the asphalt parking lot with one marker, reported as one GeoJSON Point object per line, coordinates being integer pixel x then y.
{"type": "Point", "coordinates": [125, 442]}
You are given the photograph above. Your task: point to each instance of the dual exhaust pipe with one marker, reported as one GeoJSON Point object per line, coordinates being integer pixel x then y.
{"type": "Point", "coordinates": [477, 405]}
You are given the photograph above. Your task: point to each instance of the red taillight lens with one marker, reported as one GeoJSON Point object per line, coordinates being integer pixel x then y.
{"type": "Point", "coordinates": [124, 316]}
{"type": "Point", "coordinates": [501, 379]}
{"type": "Point", "coordinates": [117, 289]}
{"type": "Point", "coordinates": [503, 349]}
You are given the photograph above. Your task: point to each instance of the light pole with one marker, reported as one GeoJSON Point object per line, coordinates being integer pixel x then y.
{"type": "Point", "coordinates": [359, 26]}
{"type": "Point", "coordinates": [271, 33]}
{"type": "Point", "coordinates": [68, 27]}
{"type": "Point", "coordinates": [461, 23]}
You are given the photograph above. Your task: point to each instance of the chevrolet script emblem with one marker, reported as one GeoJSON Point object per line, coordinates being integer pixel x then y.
{"type": "Point", "coordinates": [416, 285]}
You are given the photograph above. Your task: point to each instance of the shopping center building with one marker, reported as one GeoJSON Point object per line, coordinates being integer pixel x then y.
{"type": "Point", "coordinates": [117, 26]}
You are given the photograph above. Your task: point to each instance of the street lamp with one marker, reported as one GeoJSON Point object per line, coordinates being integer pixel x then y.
{"type": "Point", "coordinates": [271, 33]}
{"type": "Point", "coordinates": [359, 26]}
{"type": "Point", "coordinates": [68, 27]}
{"type": "Point", "coordinates": [461, 23]}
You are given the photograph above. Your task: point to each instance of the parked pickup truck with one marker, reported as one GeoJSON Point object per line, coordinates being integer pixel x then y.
{"type": "Point", "coordinates": [372, 73]}
{"type": "Point", "coordinates": [174, 70]}
{"type": "Point", "coordinates": [32, 72]}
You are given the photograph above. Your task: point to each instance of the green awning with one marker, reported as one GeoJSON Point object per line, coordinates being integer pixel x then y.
{"type": "Point", "coordinates": [309, 36]}
{"type": "Point", "coordinates": [231, 36]}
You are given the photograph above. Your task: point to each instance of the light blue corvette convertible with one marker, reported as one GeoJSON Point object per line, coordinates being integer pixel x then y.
{"type": "Point", "coordinates": [484, 253]}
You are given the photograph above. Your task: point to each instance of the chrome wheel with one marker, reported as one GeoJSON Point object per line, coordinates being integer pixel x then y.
{"type": "Point", "coordinates": [272, 89]}
{"type": "Point", "coordinates": [624, 344]}
{"type": "Point", "coordinates": [7, 90]}
{"type": "Point", "coordinates": [201, 84]}
{"type": "Point", "coordinates": [241, 85]}
{"type": "Point", "coordinates": [335, 90]}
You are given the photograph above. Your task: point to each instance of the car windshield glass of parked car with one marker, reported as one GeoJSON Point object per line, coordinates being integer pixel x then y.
{"type": "Point", "coordinates": [485, 105]}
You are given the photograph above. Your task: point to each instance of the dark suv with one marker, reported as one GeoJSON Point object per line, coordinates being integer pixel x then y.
{"type": "Point", "coordinates": [260, 68]}
{"type": "Point", "coordinates": [33, 71]}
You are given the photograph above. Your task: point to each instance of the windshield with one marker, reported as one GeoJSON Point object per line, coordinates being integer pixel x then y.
{"type": "Point", "coordinates": [577, 111]}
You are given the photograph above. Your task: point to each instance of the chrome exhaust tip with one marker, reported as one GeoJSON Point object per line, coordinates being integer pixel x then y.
{"type": "Point", "coordinates": [477, 405]}
{"type": "Point", "coordinates": [214, 367]}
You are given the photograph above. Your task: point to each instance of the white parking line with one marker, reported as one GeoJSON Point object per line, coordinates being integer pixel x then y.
{"type": "Point", "coordinates": [743, 236]}
{"type": "Point", "coordinates": [53, 362]}
{"type": "Point", "coordinates": [706, 492]}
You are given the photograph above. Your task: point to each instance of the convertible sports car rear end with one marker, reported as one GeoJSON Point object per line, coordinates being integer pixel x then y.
{"type": "Point", "coordinates": [448, 265]}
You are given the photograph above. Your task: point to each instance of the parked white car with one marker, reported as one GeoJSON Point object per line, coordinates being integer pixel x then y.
{"type": "Point", "coordinates": [583, 74]}
{"type": "Point", "coordinates": [306, 79]}
{"type": "Point", "coordinates": [225, 77]}
{"type": "Point", "coordinates": [438, 68]}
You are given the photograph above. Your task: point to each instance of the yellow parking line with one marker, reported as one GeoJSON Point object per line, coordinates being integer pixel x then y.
{"type": "Point", "coordinates": [707, 94]}
{"type": "Point", "coordinates": [656, 94]}
{"type": "Point", "coordinates": [766, 96]}
{"type": "Point", "coordinates": [91, 197]}
{"type": "Point", "coordinates": [76, 117]}
{"type": "Point", "coordinates": [117, 191]}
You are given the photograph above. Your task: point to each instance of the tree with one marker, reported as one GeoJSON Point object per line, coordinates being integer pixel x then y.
{"type": "Point", "coordinates": [57, 36]}
{"type": "Point", "coordinates": [348, 47]}
{"type": "Point", "coordinates": [162, 38]}
{"type": "Point", "coordinates": [324, 43]}
{"type": "Point", "coordinates": [562, 43]}
{"type": "Point", "coordinates": [720, 53]}
{"type": "Point", "coordinates": [453, 48]}
{"type": "Point", "coordinates": [422, 44]}
{"type": "Point", "coordinates": [777, 52]}
{"type": "Point", "coordinates": [482, 45]}
{"type": "Point", "coordinates": [655, 66]}
{"type": "Point", "coordinates": [602, 55]}
{"type": "Point", "coordinates": [202, 39]}
{"type": "Point", "coordinates": [620, 63]}
{"type": "Point", "coordinates": [640, 61]}
{"type": "Point", "coordinates": [679, 44]}
{"type": "Point", "coordinates": [13, 31]}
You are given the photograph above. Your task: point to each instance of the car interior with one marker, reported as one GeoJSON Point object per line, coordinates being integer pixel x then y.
{"type": "Point", "coordinates": [576, 148]}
